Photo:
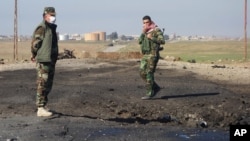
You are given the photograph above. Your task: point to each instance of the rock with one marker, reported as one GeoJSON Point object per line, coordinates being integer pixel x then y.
{"type": "Point", "coordinates": [202, 124]}
{"type": "Point", "coordinates": [164, 118]}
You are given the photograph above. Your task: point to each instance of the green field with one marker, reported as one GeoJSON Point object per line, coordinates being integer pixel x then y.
{"type": "Point", "coordinates": [202, 51]}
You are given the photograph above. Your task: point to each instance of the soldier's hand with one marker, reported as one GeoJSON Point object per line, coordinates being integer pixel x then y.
{"type": "Point", "coordinates": [144, 29]}
{"type": "Point", "coordinates": [32, 58]}
{"type": "Point", "coordinates": [149, 36]}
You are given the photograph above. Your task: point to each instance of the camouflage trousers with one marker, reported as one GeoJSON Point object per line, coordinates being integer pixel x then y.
{"type": "Point", "coordinates": [45, 76]}
{"type": "Point", "coordinates": [147, 69]}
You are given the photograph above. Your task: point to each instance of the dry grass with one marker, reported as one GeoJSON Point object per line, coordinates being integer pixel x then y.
{"type": "Point", "coordinates": [7, 49]}
{"type": "Point", "coordinates": [118, 55]}
{"type": "Point", "coordinates": [200, 51]}
{"type": "Point", "coordinates": [81, 50]}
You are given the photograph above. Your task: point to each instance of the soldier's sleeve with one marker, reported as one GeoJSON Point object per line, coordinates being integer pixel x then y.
{"type": "Point", "coordinates": [141, 38]}
{"type": "Point", "coordinates": [158, 38]}
{"type": "Point", "coordinates": [37, 40]}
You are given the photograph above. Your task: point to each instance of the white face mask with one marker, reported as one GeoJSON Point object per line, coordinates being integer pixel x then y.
{"type": "Point", "coordinates": [52, 19]}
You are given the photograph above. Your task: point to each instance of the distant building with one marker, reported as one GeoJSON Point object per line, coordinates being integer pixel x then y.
{"type": "Point", "coordinates": [63, 37]}
{"type": "Point", "coordinates": [75, 37]}
{"type": "Point", "coordinates": [126, 38]}
{"type": "Point", "coordinates": [172, 36]}
{"type": "Point", "coordinates": [95, 36]}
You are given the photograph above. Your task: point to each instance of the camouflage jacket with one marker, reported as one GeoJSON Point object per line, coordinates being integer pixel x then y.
{"type": "Point", "coordinates": [44, 45]}
{"type": "Point", "coordinates": [150, 46]}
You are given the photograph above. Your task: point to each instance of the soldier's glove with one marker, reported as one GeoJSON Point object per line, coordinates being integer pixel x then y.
{"type": "Point", "coordinates": [161, 48]}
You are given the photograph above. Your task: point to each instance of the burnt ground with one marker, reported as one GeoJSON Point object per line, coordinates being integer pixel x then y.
{"type": "Point", "coordinates": [101, 100]}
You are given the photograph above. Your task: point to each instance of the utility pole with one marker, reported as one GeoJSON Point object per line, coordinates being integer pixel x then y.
{"type": "Point", "coordinates": [245, 29]}
{"type": "Point", "coordinates": [15, 33]}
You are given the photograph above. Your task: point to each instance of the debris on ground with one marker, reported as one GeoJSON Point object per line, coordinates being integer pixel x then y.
{"type": "Point", "coordinates": [66, 54]}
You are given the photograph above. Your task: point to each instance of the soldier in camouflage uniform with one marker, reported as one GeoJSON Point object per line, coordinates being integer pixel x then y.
{"type": "Point", "coordinates": [150, 41]}
{"type": "Point", "coordinates": [44, 49]}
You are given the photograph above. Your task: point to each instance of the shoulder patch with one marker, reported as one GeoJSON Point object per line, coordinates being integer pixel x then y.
{"type": "Point", "coordinates": [39, 30]}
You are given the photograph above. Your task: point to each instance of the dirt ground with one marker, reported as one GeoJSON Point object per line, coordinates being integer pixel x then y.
{"type": "Point", "coordinates": [95, 99]}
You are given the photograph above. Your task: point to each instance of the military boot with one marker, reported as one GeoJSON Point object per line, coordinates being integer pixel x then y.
{"type": "Point", "coordinates": [151, 93]}
{"type": "Point", "coordinates": [157, 88]}
{"type": "Point", "coordinates": [43, 112]}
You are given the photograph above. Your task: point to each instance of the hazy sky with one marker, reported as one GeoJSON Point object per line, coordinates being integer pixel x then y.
{"type": "Point", "coordinates": [183, 17]}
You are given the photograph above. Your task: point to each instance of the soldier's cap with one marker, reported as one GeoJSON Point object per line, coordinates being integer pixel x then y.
{"type": "Point", "coordinates": [49, 10]}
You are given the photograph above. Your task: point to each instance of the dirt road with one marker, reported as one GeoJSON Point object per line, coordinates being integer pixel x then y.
{"type": "Point", "coordinates": [101, 100]}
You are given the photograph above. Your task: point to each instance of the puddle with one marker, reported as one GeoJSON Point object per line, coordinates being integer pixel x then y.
{"type": "Point", "coordinates": [202, 136]}
{"type": "Point", "coordinates": [159, 134]}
